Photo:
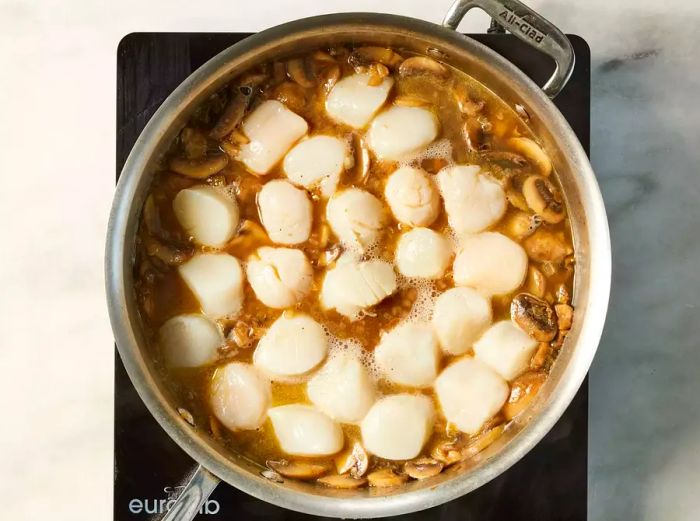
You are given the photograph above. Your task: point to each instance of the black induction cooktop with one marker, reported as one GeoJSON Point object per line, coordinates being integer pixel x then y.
{"type": "Point", "coordinates": [548, 484]}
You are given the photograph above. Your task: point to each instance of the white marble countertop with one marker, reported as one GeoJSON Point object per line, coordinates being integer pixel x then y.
{"type": "Point", "coordinates": [57, 142]}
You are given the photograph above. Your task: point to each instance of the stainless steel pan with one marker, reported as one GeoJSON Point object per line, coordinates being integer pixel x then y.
{"type": "Point", "coordinates": [589, 226]}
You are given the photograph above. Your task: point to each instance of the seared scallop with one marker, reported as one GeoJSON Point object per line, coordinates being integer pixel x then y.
{"type": "Point", "coordinates": [271, 129]}
{"type": "Point", "coordinates": [423, 253]}
{"type": "Point", "coordinates": [473, 200]}
{"type": "Point", "coordinates": [351, 287]}
{"type": "Point", "coordinates": [189, 340]}
{"type": "Point", "coordinates": [240, 396]}
{"type": "Point", "coordinates": [342, 388]}
{"type": "Point", "coordinates": [292, 346]}
{"type": "Point", "coordinates": [280, 277]}
{"type": "Point", "coordinates": [317, 162]}
{"type": "Point", "coordinates": [408, 355]}
{"type": "Point", "coordinates": [413, 199]}
{"type": "Point", "coordinates": [216, 279]}
{"type": "Point", "coordinates": [208, 215]}
{"type": "Point", "coordinates": [505, 348]}
{"type": "Point", "coordinates": [303, 430]}
{"type": "Point", "coordinates": [401, 132]}
{"type": "Point", "coordinates": [491, 263]}
{"type": "Point", "coordinates": [397, 426]}
{"type": "Point", "coordinates": [470, 393]}
{"type": "Point", "coordinates": [285, 212]}
{"type": "Point", "coordinates": [356, 217]}
{"type": "Point", "coordinates": [353, 101]}
{"type": "Point", "coordinates": [460, 316]}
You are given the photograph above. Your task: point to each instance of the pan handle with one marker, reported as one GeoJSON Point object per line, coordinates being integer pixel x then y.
{"type": "Point", "coordinates": [198, 489]}
{"type": "Point", "coordinates": [530, 27]}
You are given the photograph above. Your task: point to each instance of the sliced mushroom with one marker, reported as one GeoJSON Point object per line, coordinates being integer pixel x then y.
{"type": "Point", "coordinates": [449, 452]}
{"type": "Point", "coordinates": [186, 415]}
{"type": "Point", "coordinates": [151, 217]}
{"type": "Point", "coordinates": [355, 461]}
{"type": "Point", "coordinates": [422, 65]}
{"type": "Point", "coordinates": [291, 94]}
{"type": "Point", "coordinates": [364, 56]}
{"type": "Point", "coordinates": [377, 73]}
{"type": "Point", "coordinates": [423, 468]}
{"type": "Point", "coordinates": [482, 441]}
{"type": "Point", "coordinates": [328, 76]}
{"type": "Point", "coordinates": [272, 476]}
{"type": "Point", "coordinates": [543, 199]}
{"type": "Point", "coordinates": [504, 158]}
{"type": "Point", "coordinates": [298, 71]}
{"type": "Point", "coordinates": [559, 341]}
{"type": "Point", "coordinates": [565, 315]}
{"type": "Point", "coordinates": [170, 255]}
{"type": "Point", "coordinates": [303, 470]}
{"type": "Point", "coordinates": [250, 234]}
{"type": "Point", "coordinates": [534, 316]}
{"type": "Point", "coordinates": [473, 134]}
{"type": "Point", "coordinates": [322, 56]}
{"type": "Point", "coordinates": [546, 246]}
{"type": "Point", "coordinates": [532, 151]}
{"type": "Point", "coordinates": [522, 112]}
{"type": "Point", "coordinates": [233, 113]}
{"type": "Point", "coordinates": [329, 256]}
{"type": "Point", "coordinates": [536, 282]}
{"type": "Point", "coordinates": [362, 158]}
{"type": "Point", "coordinates": [194, 142]}
{"type": "Point", "coordinates": [467, 105]}
{"type": "Point", "coordinates": [562, 294]}
{"type": "Point", "coordinates": [410, 101]}
{"type": "Point", "coordinates": [540, 356]}
{"type": "Point", "coordinates": [522, 392]}
{"type": "Point", "coordinates": [199, 168]}
{"type": "Point", "coordinates": [386, 477]}
{"type": "Point", "coordinates": [242, 335]}
{"type": "Point", "coordinates": [512, 184]}
{"type": "Point", "coordinates": [343, 481]}
{"type": "Point", "coordinates": [253, 78]}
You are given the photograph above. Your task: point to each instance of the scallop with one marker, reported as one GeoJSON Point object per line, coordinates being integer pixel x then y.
{"type": "Point", "coordinates": [189, 340]}
{"type": "Point", "coordinates": [505, 348]}
{"type": "Point", "coordinates": [397, 426]}
{"type": "Point", "coordinates": [356, 217]}
{"type": "Point", "coordinates": [342, 388]}
{"type": "Point", "coordinates": [423, 253]}
{"type": "Point", "coordinates": [206, 214]}
{"type": "Point", "coordinates": [216, 279]}
{"type": "Point", "coordinates": [317, 162]}
{"type": "Point", "coordinates": [303, 430]}
{"type": "Point", "coordinates": [280, 277]}
{"type": "Point", "coordinates": [491, 263]}
{"type": "Point", "coordinates": [473, 200]}
{"type": "Point", "coordinates": [470, 393]}
{"type": "Point", "coordinates": [408, 355]}
{"type": "Point", "coordinates": [351, 287]}
{"type": "Point", "coordinates": [401, 132]}
{"type": "Point", "coordinates": [353, 101]}
{"type": "Point", "coordinates": [285, 212]}
{"type": "Point", "coordinates": [413, 199]}
{"type": "Point", "coordinates": [272, 129]}
{"type": "Point", "coordinates": [460, 316]}
{"type": "Point", "coordinates": [292, 346]}
{"type": "Point", "coordinates": [240, 396]}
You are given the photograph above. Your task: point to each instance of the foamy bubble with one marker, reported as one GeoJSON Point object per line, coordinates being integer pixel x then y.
{"type": "Point", "coordinates": [352, 348]}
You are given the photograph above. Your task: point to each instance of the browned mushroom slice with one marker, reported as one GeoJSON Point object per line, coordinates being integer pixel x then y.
{"type": "Point", "coordinates": [291, 94]}
{"type": "Point", "coordinates": [194, 142]}
{"type": "Point", "coordinates": [521, 225]}
{"type": "Point", "coordinates": [233, 113]}
{"type": "Point", "coordinates": [423, 468]}
{"type": "Point", "coordinates": [199, 168]}
{"type": "Point", "coordinates": [449, 452]}
{"type": "Point", "coordinates": [386, 478]}
{"type": "Point", "coordinates": [565, 315]}
{"type": "Point", "coordinates": [410, 101]}
{"type": "Point", "coordinates": [559, 341]}
{"type": "Point", "coordinates": [364, 56]}
{"type": "Point", "coordinates": [536, 283]}
{"type": "Point", "coordinates": [504, 158]}
{"type": "Point", "coordinates": [298, 71]}
{"type": "Point", "coordinates": [249, 234]}
{"type": "Point", "coordinates": [534, 316]}
{"type": "Point", "coordinates": [473, 134]}
{"type": "Point", "coordinates": [562, 294]}
{"type": "Point", "coordinates": [482, 441]}
{"type": "Point", "coordinates": [168, 254]}
{"type": "Point", "coordinates": [547, 246]}
{"type": "Point", "coordinates": [540, 356]}
{"type": "Point", "coordinates": [523, 390]}
{"type": "Point", "coordinates": [343, 481]}
{"type": "Point", "coordinates": [361, 157]}
{"type": "Point", "coordinates": [377, 73]}
{"type": "Point", "coordinates": [355, 461]}
{"type": "Point", "coordinates": [422, 65]}
{"type": "Point", "coordinates": [543, 199]}
{"type": "Point", "coordinates": [328, 76]}
{"type": "Point", "coordinates": [322, 56]}
{"type": "Point", "coordinates": [302, 470]}
{"type": "Point", "coordinates": [532, 151]}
